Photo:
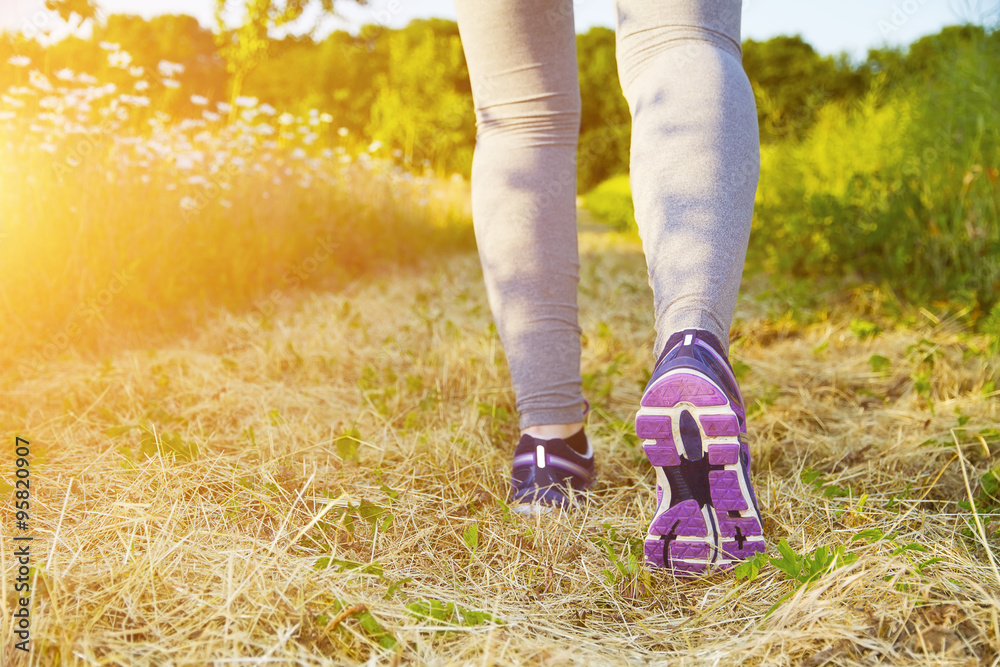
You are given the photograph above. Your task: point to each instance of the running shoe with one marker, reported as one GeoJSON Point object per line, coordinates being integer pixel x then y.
{"type": "Point", "coordinates": [547, 474]}
{"type": "Point", "coordinates": [693, 425]}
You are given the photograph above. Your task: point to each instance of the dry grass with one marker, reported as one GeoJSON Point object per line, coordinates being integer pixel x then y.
{"type": "Point", "coordinates": [209, 559]}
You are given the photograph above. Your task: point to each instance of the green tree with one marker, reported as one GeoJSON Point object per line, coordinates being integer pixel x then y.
{"type": "Point", "coordinates": [424, 102]}
{"type": "Point", "coordinates": [247, 46]}
{"type": "Point", "coordinates": [792, 83]}
{"type": "Point", "coordinates": [605, 122]}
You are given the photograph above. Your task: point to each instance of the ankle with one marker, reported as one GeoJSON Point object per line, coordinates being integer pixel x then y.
{"type": "Point", "coordinates": [549, 431]}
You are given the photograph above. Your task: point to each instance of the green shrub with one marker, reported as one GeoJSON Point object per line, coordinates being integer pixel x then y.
{"type": "Point", "coordinates": [611, 202]}
{"type": "Point", "coordinates": [902, 187]}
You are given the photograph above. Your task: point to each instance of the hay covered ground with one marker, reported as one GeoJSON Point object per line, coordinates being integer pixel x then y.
{"type": "Point", "coordinates": [320, 481]}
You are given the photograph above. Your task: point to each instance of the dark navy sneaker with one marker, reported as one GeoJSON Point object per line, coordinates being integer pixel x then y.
{"type": "Point", "coordinates": [548, 473]}
{"type": "Point", "coordinates": [693, 424]}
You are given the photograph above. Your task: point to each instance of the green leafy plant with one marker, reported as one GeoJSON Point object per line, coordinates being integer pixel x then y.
{"type": "Point", "coordinates": [348, 444]}
{"type": "Point", "coordinates": [449, 613]}
{"type": "Point", "coordinates": [986, 503]}
{"type": "Point", "coordinates": [805, 568]}
{"type": "Point", "coordinates": [367, 623]}
{"type": "Point", "coordinates": [802, 569]}
{"type": "Point", "coordinates": [818, 482]}
{"type": "Point", "coordinates": [879, 364]}
{"type": "Point", "coordinates": [341, 565]}
{"type": "Point", "coordinates": [626, 557]}
{"type": "Point", "coordinates": [750, 568]}
{"type": "Point", "coordinates": [152, 444]}
{"type": "Point", "coordinates": [471, 538]}
{"type": "Point", "coordinates": [907, 550]}
{"type": "Point", "coordinates": [864, 329]}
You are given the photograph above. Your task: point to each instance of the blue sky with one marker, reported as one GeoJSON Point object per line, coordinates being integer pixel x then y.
{"type": "Point", "coordinates": [831, 27]}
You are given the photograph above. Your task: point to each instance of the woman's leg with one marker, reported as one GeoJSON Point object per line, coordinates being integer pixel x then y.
{"type": "Point", "coordinates": [695, 155]}
{"type": "Point", "coordinates": [694, 166]}
{"type": "Point", "coordinates": [522, 64]}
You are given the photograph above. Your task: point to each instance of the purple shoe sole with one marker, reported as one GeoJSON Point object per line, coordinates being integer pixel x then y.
{"type": "Point", "coordinates": [684, 415]}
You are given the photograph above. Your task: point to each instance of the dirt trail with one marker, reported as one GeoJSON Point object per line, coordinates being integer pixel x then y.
{"type": "Point", "coordinates": [209, 550]}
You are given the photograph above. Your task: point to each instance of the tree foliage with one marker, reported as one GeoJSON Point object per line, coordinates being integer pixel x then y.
{"type": "Point", "coordinates": [408, 88]}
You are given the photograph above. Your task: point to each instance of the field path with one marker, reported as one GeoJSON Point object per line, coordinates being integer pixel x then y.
{"type": "Point", "coordinates": [373, 427]}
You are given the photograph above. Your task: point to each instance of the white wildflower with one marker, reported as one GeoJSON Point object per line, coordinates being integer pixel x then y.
{"type": "Point", "coordinates": [134, 100]}
{"type": "Point", "coordinates": [109, 46]}
{"type": "Point", "coordinates": [38, 80]}
{"type": "Point", "coordinates": [298, 154]}
{"type": "Point", "coordinates": [209, 116]}
{"type": "Point", "coordinates": [171, 83]}
{"type": "Point", "coordinates": [223, 107]}
{"type": "Point", "coordinates": [286, 119]}
{"type": "Point", "coordinates": [11, 102]}
{"type": "Point", "coordinates": [7, 115]}
{"type": "Point", "coordinates": [326, 152]}
{"type": "Point", "coordinates": [189, 203]}
{"type": "Point", "coordinates": [65, 74]}
{"type": "Point", "coordinates": [141, 85]}
{"type": "Point", "coordinates": [169, 69]}
{"type": "Point", "coordinates": [267, 109]}
{"type": "Point", "coordinates": [83, 77]}
{"type": "Point", "coordinates": [19, 61]}
{"type": "Point", "coordinates": [119, 59]}
{"type": "Point", "coordinates": [246, 102]}
{"type": "Point", "coordinates": [342, 131]}
{"type": "Point", "coordinates": [136, 71]}
{"type": "Point", "coordinates": [326, 118]}
{"type": "Point", "coordinates": [374, 146]}
{"type": "Point", "coordinates": [198, 100]}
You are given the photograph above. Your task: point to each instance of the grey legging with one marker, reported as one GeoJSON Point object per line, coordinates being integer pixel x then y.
{"type": "Point", "coordinates": [694, 166]}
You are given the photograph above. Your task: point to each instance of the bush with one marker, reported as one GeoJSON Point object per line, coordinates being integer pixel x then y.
{"type": "Point", "coordinates": [611, 202]}
{"type": "Point", "coordinates": [900, 188]}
